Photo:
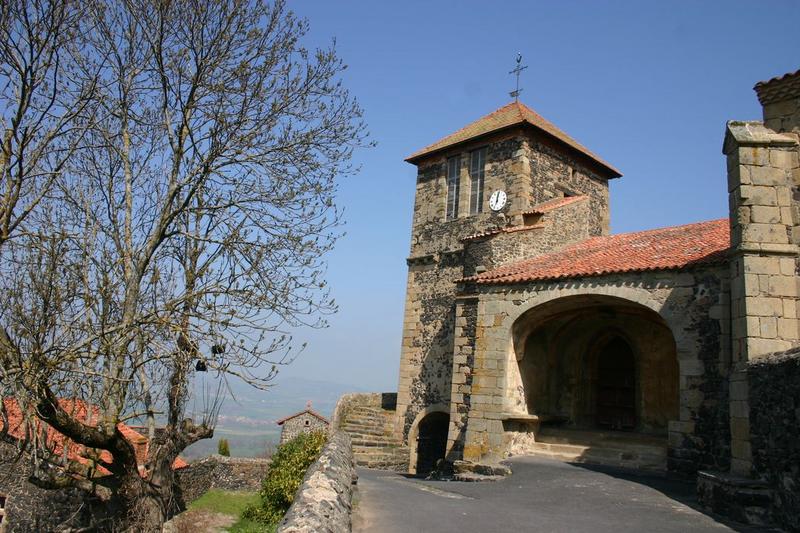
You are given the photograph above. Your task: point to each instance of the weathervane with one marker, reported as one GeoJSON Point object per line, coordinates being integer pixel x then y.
{"type": "Point", "coordinates": [519, 68]}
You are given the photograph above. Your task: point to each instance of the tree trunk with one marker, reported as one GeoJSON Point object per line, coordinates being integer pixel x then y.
{"type": "Point", "coordinates": [145, 504]}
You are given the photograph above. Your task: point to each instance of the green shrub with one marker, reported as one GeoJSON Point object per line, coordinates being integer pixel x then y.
{"type": "Point", "coordinates": [223, 448]}
{"type": "Point", "coordinates": [286, 472]}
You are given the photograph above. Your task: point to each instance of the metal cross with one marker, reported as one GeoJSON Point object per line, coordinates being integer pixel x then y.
{"type": "Point", "coordinates": [519, 68]}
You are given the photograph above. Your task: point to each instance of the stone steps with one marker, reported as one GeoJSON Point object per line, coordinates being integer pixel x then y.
{"type": "Point", "coordinates": [363, 429]}
{"type": "Point", "coordinates": [371, 429]}
{"type": "Point", "coordinates": [636, 451]}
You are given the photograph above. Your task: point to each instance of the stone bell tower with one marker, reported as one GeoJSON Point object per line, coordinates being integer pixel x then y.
{"type": "Point", "coordinates": [483, 182]}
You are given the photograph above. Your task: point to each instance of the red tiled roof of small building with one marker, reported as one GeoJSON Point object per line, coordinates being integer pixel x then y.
{"type": "Point", "coordinates": [552, 205]}
{"type": "Point", "coordinates": [512, 114]}
{"type": "Point", "coordinates": [79, 410]}
{"type": "Point", "coordinates": [672, 248]}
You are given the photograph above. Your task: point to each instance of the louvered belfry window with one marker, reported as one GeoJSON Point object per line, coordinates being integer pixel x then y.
{"type": "Point", "coordinates": [476, 173]}
{"type": "Point", "coordinates": [453, 167]}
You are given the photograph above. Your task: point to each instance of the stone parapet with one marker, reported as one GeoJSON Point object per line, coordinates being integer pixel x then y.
{"type": "Point", "coordinates": [323, 503]}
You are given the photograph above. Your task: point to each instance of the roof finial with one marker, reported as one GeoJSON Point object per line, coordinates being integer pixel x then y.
{"type": "Point", "coordinates": [519, 68]}
{"type": "Point", "coordinates": [308, 404]}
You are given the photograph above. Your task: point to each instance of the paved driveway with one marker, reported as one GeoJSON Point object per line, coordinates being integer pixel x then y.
{"type": "Point", "coordinates": [541, 495]}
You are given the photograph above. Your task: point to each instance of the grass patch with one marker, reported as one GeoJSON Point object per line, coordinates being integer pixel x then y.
{"type": "Point", "coordinates": [249, 526]}
{"type": "Point", "coordinates": [225, 502]}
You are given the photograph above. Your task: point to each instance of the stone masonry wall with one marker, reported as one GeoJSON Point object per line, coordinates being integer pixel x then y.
{"type": "Point", "coordinates": [220, 472]}
{"type": "Point", "coordinates": [30, 508]}
{"type": "Point", "coordinates": [302, 423]}
{"type": "Point", "coordinates": [556, 229]}
{"type": "Point", "coordinates": [324, 500]}
{"type": "Point", "coordinates": [774, 387]}
{"type": "Point", "coordinates": [554, 173]}
{"type": "Point", "coordinates": [694, 305]}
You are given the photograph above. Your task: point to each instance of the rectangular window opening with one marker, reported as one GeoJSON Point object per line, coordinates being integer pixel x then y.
{"type": "Point", "coordinates": [453, 174]}
{"type": "Point", "coordinates": [477, 172]}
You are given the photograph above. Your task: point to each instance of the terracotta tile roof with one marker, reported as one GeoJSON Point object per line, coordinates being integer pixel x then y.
{"type": "Point", "coordinates": [778, 88]}
{"type": "Point", "coordinates": [76, 452]}
{"type": "Point", "coordinates": [512, 114]}
{"type": "Point", "coordinates": [677, 247]}
{"type": "Point", "coordinates": [552, 205]}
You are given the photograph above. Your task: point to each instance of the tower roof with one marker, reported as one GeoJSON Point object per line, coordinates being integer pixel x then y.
{"type": "Point", "coordinates": [513, 114]}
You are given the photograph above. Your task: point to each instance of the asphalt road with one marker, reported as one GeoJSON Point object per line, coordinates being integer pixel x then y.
{"type": "Point", "coordinates": [541, 495]}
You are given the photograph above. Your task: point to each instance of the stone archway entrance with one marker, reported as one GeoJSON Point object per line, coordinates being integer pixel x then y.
{"type": "Point", "coordinates": [431, 441]}
{"type": "Point", "coordinates": [597, 362]}
{"type": "Point", "coordinates": [616, 385]}
{"type": "Point", "coordinates": [598, 376]}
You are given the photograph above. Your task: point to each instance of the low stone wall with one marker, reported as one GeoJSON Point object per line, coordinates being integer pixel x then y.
{"type": "Point", "coordinates": [323, 501]}
{"type": "Point", "coordinates": [30, 508]}
{"type": "Point", "coordinates": [774, 384]}
{"type": "Point", "coordinates": [220, 472]}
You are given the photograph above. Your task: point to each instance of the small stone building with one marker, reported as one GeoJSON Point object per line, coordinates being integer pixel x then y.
{"type": "Point", "coordinates": [305, 421]}
{"type": "Point", "coordinates": [529, 328]}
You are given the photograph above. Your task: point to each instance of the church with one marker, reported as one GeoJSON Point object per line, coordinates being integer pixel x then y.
{"type": "Point", "coordinates": [530, 329]}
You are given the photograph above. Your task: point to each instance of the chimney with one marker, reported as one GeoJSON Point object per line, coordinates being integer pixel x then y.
{"type": "Point", "coordinates": [780, 98]}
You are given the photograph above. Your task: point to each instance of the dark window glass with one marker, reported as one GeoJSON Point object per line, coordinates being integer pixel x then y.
{"type": "Point", "coordinates": [453, 166]}
{"type": "Point", "coordinates": [476, 173]}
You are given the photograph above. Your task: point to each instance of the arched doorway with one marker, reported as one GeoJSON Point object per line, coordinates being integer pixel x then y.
{"type": "Point", "coordinates": [595, 362]}
{"type": "Point", "coordinates": [431, 440]}
{"type": "Point", "coordinates": [616, 385]}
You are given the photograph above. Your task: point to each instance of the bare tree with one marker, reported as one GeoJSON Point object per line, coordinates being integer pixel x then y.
{"type": "Point", "coordinates": [44, 110]}
{"type": "Point", "coordinates": [188, 232]}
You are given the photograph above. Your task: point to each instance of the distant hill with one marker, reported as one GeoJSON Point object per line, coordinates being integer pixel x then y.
{"type": "Point", "coordinates": [248, 419]}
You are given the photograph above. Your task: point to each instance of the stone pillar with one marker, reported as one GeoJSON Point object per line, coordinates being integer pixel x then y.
{"type": "Point", "coordinates": [764, 285]}
{"type": "Point", "coordinates": [463, 363]}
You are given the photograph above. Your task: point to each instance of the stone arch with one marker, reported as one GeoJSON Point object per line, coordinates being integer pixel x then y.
{"type": "Point", "coordinates": [550, 373]}
{"type": "Point", "coordinates": [413, 432]}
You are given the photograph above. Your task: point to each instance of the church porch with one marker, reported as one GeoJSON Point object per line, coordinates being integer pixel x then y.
{"type": "Point", "coordinates": [616, 369]}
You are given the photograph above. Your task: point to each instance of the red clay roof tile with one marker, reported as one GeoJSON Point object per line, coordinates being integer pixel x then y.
{"type": "Point", "coordinates": [512, 114]}
{"type": "Point", "coordinates": [778, 88]}
{"type": "Point", "coordinates": [76, 452]}
{"type": "Point", "coordinates": [673, 248]}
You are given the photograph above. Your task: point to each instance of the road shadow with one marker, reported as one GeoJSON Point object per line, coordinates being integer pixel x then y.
{"type": "Point", "coordinates": [677, 488]}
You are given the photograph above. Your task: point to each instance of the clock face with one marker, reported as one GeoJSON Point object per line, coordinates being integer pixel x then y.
{"type": "Point", "coordinates": [497, 200]}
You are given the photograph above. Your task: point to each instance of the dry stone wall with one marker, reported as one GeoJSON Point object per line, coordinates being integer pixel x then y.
{"type": "Point", "coordinates": [30, 508]}
{"type": "Point", "coordinates": [220, 472]}
{"type": "Point", "coordinates": [323, 502]}
{"type": "Point", "coordinates": [774, 417]}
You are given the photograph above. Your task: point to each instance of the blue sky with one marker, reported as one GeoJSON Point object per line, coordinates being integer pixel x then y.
{"type": "Point", "coordinates": [648, 86]}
